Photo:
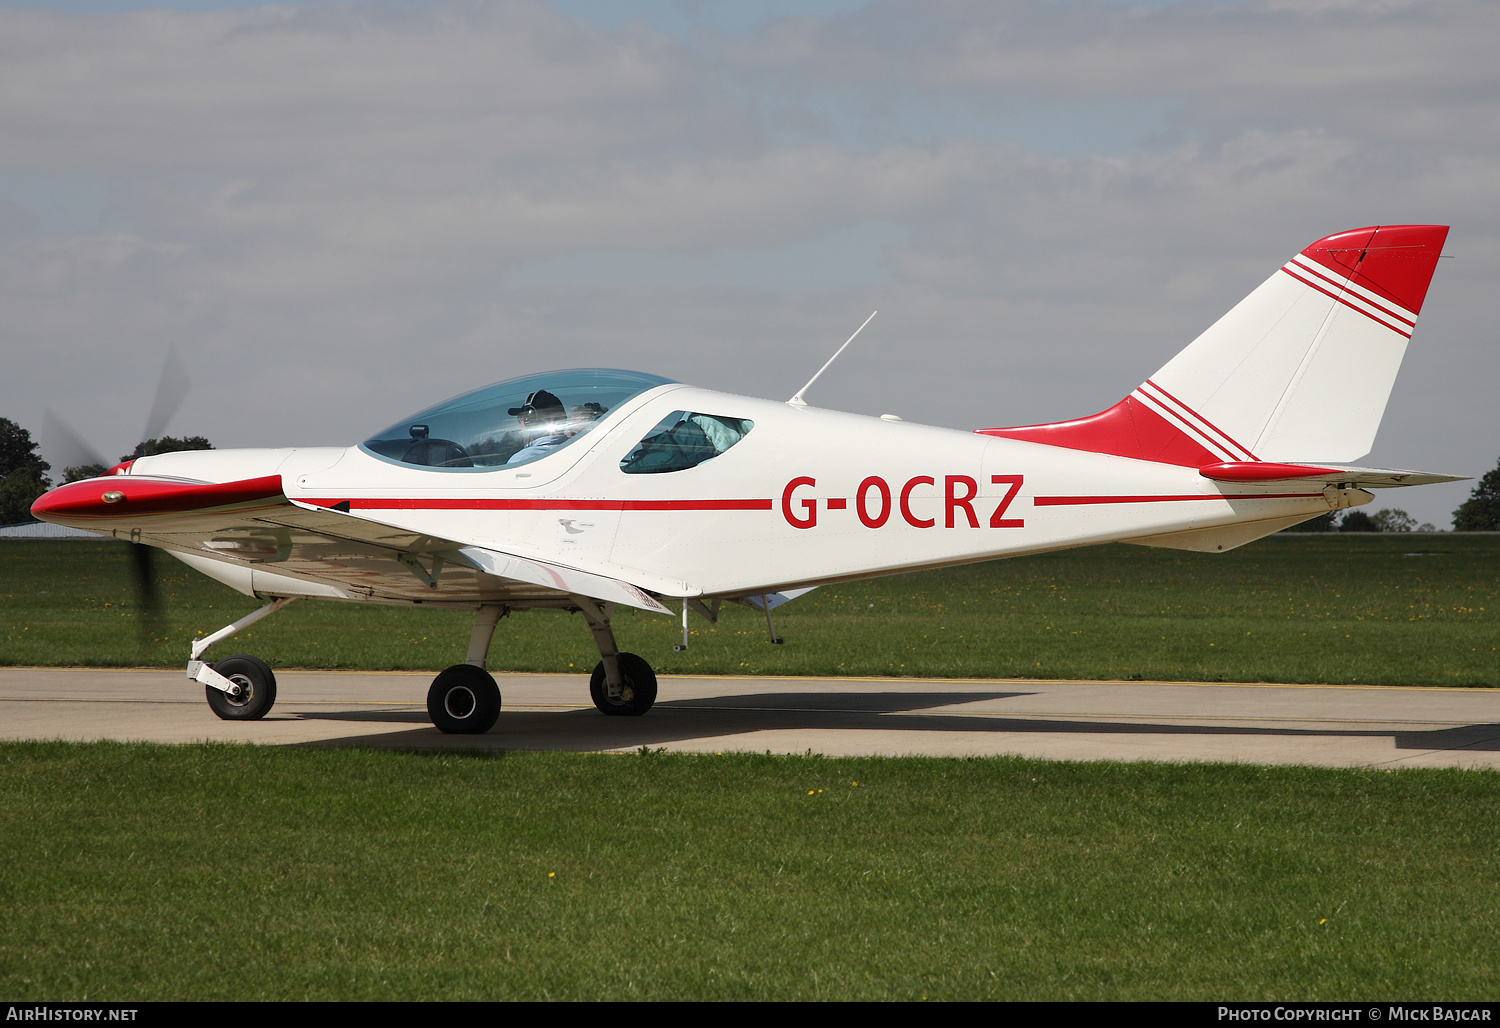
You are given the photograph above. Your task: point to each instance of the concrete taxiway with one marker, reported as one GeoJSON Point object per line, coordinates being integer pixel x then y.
{"type": "Point", "coordinates": [1344, 726]}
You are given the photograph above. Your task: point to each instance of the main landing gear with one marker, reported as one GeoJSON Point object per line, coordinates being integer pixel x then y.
{"type": "Point", "coordinates": [463, 700]}
{"type": "Point", "coordinates": [622, 683]}
{"type": "Point", "coordinates": [635, 692]}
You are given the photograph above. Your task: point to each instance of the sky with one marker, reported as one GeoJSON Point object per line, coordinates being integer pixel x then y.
{"type": "Point", "coordinates": [342, 212]}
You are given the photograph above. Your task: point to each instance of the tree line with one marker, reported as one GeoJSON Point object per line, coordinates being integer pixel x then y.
{"type": "Point", "coordinates": [1479, 513]}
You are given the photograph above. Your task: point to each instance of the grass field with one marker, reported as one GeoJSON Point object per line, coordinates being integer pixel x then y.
{"type": "Point", "coordinates": [139, 872]}
{"type": "Point", "coordinates": [1382, 608]}
{"type": "Point", "coordinates": [136, 872]}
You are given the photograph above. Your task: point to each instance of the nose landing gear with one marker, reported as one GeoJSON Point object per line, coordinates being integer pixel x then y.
{"type": "Point", "coordinates": [242, 687]}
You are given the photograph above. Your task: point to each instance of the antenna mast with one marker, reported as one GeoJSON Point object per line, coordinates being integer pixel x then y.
{"type": "Point", "coordinates": [797, 400]}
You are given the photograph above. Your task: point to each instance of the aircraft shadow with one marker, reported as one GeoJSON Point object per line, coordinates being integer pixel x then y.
{"type": "Point", "coordinates": [1465, 737]}
{"type": "Point", "coordinates": [876, 703]}
{"type": "Point", "coordinates": [677, 721]}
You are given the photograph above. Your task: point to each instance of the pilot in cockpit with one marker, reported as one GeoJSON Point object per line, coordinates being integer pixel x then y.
{"type": "Point", "coordinates": [544, 426]}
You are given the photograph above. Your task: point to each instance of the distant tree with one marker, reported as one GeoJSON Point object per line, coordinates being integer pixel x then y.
{"type": "Point", "coordinates": [78, 472]}
{"type": "Point", "coordinates": [1481, 511]}
{"type": "Point", "coordinates": [23, 473]}
{"type": "Point", "coordinates": [1393, 519]}
{"type": "Point", "coordinates": [1322, 523]}
{"type": "Point", "coordinates": [1358, 521]}
{"type": "Point", "coordinates": [168, 444]}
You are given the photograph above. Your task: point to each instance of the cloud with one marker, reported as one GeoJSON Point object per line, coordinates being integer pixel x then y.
{"type": "Point", "coordinates": [1407, 70]}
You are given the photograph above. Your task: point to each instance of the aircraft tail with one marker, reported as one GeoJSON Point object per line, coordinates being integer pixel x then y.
{"type": "Point", "coordinates": [1299, 370]}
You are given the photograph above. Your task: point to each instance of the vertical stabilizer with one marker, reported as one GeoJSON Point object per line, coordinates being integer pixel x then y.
{"type": "Point", "coordinates": [1299, 370]}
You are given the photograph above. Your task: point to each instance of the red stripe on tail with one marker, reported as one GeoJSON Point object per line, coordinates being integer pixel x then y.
{"type": "Point", "coordinates": [1128, 429]}
{"type": "Point", "coordinates": [1393, 261]}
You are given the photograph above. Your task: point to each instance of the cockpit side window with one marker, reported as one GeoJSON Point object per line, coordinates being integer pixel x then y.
{"type": "Point", "coordinates": [682, 440]}
{"type": "Point", "coordinates": [510, 423]}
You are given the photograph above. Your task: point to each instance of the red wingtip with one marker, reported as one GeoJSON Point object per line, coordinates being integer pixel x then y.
{"type": "Point", "coordinates": [1392, 261]}
{"type": "Point", "coordinates": [97, 498]}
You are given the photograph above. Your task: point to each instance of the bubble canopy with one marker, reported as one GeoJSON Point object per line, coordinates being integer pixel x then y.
{"type": "Point", "coordinates": [509, 423]}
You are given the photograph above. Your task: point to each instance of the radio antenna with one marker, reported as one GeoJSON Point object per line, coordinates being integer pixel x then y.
{"type": "Point", "coordinates": [797, 400]}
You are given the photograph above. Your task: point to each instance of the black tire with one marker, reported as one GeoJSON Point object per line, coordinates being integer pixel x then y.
{"type": "Point", "coordinates": [639, 692]}
{"type": "Point", "coordinates": [257, 688]}
{"type": "Point", "coordinates": [464, 700]}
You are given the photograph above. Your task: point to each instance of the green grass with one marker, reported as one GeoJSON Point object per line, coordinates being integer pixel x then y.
{"type": "Point", "coordinates": [139, 872]}
{"type": "Point", "coordinates": [1329, 608]}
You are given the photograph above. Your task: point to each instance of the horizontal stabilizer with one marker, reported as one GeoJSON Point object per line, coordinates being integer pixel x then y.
{"type": "Point", "coordinates": [1327, 474]}
{"type": "Point", "coordinates": [1224, 537]}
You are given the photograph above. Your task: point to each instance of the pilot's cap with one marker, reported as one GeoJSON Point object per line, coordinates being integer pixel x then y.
{"type": "Point", "coordinates": [540, 402]}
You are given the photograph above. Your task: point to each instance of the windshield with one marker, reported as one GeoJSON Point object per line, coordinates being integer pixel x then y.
{"type": "Point", "coordinates": [510, 423]}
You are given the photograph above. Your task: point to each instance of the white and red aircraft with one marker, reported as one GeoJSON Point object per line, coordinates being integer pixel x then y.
{"type": "Point", "coordinates": [587, 489]}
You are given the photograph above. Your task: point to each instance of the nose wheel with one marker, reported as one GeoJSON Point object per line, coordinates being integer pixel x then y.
{"type": "Point", "coordinates": [252, 689]}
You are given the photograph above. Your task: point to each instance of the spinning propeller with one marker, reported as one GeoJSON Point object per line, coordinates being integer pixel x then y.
{"type": "Point", "coordinates": [78, 460]}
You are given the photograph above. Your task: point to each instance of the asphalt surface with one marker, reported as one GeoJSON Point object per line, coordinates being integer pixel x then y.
{"type": "Point", "coordinates": [1344, 726]}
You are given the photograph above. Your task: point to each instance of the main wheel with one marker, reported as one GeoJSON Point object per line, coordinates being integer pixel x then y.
{"type": "Point", "coordinates": [639, 690]}
{"type": "Point", "coordinates": [257, 689]}
{"type": "Point", "coordinates": [464, 700]}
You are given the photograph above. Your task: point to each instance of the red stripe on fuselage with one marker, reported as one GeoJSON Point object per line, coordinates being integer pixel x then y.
{"type": "Point", "coordinates": [1069, 501]}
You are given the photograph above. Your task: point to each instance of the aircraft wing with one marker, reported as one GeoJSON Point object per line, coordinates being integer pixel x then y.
{"type": "Point", "coordinates": [252, 525]}
{"type": "Point", "coordinates": [555, 576]}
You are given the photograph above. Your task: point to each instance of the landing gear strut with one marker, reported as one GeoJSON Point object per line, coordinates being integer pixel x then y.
{"type": "Point", "coordinates": [242, 687]}
{"type": "Point", "coordinates": [622, 683]}
{"type": "Point", "coordinates": [464, 699]}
